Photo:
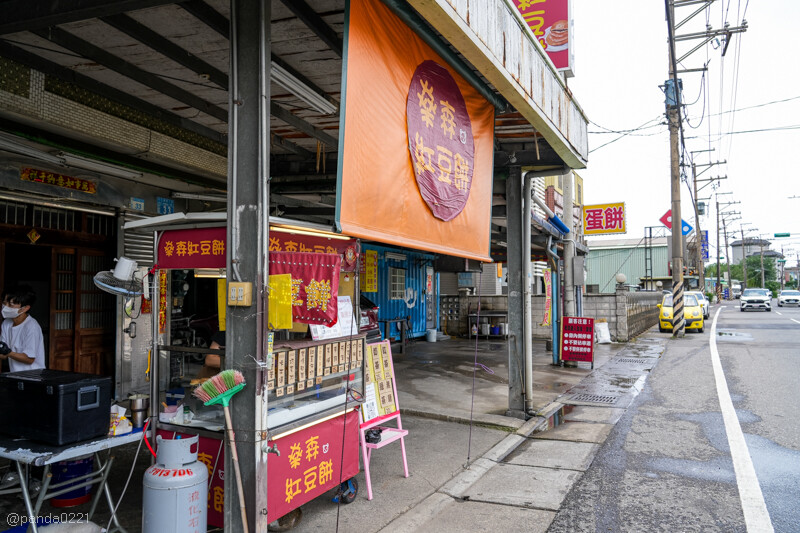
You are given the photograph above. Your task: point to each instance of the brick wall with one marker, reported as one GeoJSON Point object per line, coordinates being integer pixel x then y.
{"type": "Point", "coordinates": [28, 98]}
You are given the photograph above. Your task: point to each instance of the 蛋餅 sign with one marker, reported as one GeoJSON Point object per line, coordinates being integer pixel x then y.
{"type": "Point", "coordinates": [600, 219]}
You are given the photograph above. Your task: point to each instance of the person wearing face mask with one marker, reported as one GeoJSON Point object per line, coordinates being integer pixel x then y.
{"type": "Point", "coordinates": [21, 340]}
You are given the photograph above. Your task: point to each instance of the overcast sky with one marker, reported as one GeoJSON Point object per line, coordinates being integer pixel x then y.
{"type": "Point", "coordinates": [621, 59]}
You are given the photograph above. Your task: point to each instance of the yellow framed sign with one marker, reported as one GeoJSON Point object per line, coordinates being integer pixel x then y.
{"type": "Point", "coordinates": [600, 219]}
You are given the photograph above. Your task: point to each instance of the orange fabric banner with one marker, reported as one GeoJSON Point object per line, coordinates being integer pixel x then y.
{"type": "Point", "coordinates": [380, 193]}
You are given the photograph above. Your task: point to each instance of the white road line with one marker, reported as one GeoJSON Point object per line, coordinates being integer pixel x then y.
{"type": "Point", "coordinates": [756, 516]}
{"type": "Point", "coordinates": [779, 313]}
{"type": "Point", "coordinates": [793, 320]}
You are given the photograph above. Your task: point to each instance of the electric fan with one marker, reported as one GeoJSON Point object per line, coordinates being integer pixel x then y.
{"type": "Point", "coordinates": [122, 280]}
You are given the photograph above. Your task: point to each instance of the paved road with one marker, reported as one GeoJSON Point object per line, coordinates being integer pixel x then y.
{"type": "Point", "coordinates": [668, 464]}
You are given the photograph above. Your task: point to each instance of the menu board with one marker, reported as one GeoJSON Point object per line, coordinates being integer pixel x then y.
{"type": "Point", "coordinates": [295, 370]}
{"type": "Point", "coordinates": [379, 398]}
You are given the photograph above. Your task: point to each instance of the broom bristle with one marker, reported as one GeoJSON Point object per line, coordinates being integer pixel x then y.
{"type": "Point", "coordinates": [213, 387]}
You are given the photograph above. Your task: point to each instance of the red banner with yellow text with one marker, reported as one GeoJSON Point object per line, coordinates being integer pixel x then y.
{"type": "Point", "coordinates": [315, 285]}
{"type": "Point", "coordinates": [311, 462]}
{"type": "Point", "coordinates": [416, 168]}
{"type": "Point", "coordinates": [192, 248]}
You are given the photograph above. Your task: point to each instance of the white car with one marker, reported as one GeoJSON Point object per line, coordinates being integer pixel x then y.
{"type": "Point", "coordinates": [756, 299]}
{"type": "Point", "coordinates": [789, 297]}
{"type": "Point", "coordinates": [702, 300]}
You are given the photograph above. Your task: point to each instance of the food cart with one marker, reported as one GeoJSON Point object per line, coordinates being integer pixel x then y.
{"type": "Point", "coordinates": [314, 365]}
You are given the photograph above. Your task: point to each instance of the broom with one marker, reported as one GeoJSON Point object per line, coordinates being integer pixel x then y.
{"type": "Point", "coordinates": [219, 390]}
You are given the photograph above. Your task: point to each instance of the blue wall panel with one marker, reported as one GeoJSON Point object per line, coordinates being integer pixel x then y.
{"type": "Point", "coordinates": [415, 266]}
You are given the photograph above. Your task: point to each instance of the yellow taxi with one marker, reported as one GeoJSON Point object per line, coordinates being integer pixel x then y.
{"type": "Point", "coordinates": [692, 313]}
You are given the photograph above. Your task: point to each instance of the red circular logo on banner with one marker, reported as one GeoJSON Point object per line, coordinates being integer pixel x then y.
{"type": "Point", "coordinates": [440, 140]}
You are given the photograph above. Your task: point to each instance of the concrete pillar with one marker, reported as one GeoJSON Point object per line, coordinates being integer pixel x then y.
{"type": "Point", "coordinates": [516, 338]}
{"type": "Point", "coordinates": [621, 313]}
{"type": "Point", "coordinates": [248, 202]}
{"type": "Point", "coordinates": [569, 246]}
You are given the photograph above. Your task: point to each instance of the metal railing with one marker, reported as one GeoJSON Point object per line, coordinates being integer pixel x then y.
{"type": "Point", "coordinates": [642, 311]}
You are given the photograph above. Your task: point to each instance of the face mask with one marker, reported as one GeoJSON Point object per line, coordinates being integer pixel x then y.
{"type": "Point", "coordinates": [10, 312]}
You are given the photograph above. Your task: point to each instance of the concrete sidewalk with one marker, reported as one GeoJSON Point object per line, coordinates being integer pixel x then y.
{"type": "Point", "coordinates": [498, 473]}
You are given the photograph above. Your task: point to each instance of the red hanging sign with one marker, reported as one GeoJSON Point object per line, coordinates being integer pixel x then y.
{"type": "Point", "coordinates": [192, 248]}
{"type": "Point", "coordinates": [291, 242]}
{"type": "Point", "coordinates": [315, 285]}
{"type": "Point", "coordinates": [577, 339]}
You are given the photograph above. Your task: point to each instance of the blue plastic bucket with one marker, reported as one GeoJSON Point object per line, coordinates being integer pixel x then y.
{"type": "Point", "coordinates": [66, 470]}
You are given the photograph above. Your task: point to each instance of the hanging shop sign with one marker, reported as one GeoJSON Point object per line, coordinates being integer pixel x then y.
{"type": "Point", "coordinates": [315, 284]}
{"type": "Point", "coordinates": [550, 22]}
{"type": "Point", "coordinates": [548, 297]}
{"type": "Point", "coordinates": [601, 219]}
{"type": "Point", "coordinates": [369, 271]}
{"type": "Point", "coordinates": [162, 301]}
{"type": "Point", "coordinates": [577, 339]}
{"type": "Point", "coordinates": [192, 248]}
{"type": "Point", "coordinates": [58, 180]}
{"type": "Point", "coordinates": [440, 140]}
{"type": "Point", "coordinates": [417, 144]}
{"type": "Point", "coordinates": [290, 242]}
{"type": "Point", "coordinates": [312, 462]}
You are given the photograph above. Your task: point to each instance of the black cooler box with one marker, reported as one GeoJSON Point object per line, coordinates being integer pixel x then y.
{"type": "Point", "coordinates": [53, 406]}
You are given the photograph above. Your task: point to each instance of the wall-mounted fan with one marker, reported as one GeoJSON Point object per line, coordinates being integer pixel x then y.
{"type": "Point", "coordinates": [122, 281]}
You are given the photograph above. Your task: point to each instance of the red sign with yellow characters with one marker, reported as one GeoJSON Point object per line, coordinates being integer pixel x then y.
{"type": "Point", "coordinates": [312, 462]}
{"type": "Point", "coordinates": [315, 285]}
{"type": "Point", "coordinates": [192, 248]}
{"type": "Point", "coordinates": [58, 180]}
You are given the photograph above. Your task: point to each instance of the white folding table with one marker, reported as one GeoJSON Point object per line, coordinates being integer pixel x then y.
{"type": "Point", "coordinates": [25, 453]}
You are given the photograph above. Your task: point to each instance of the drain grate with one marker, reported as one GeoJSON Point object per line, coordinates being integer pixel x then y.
{"type": "Point", "coordinates": [594, 398]}
{"type": "Point", "coordinates": [629, 360]}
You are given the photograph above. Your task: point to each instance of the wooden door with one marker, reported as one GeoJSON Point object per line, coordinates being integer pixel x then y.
{"type": "Point", "coordinates": [62, 309]}
{"type": "Point", "coordinates": [95, 317]}
{"type": "Point", "coordinates": [82, 316]}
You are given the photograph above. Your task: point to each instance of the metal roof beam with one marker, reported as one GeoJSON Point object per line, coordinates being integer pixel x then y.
{"type": "Point", "coordinates": [110, 61]}
{"type": "Point", "coordinates": [167, 48]}
{"type": "Point", "coordinates": [301, 125]}
{"type": "Point", "coordinates": [29, 15]}
{"type": "Point", "coordinates": [217, 22]}
{"type": "Point", "coordinates": [34, 61]}
{"type": "Point", "coordinates": [208, 16]}
{"type": "Point", "coordinates": [277, 140]}
{"type": "Point", "coordinates": [307, 187]}
{"type": "Point", "coordinates": [315, 23]}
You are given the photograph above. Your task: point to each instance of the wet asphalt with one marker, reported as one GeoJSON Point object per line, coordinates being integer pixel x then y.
{"type": "Point", "coordinates": [666, 465]}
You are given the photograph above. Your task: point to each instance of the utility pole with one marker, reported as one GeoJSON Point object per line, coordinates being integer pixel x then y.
{"type": "Point", "coordinates": [783, 267]}
{"type": "Point", "coordinates": [727, 258]}
{"type": "Point", "coordinates": [718, 287]}
{"type": "Point", "coordinates": [744, 259]}
{"type": "Point", "coordinates": [761, 244]}
{"type": "Point", "coordinates": [673, 101]}
{"type": "Point", "coordinates": [701, 267]}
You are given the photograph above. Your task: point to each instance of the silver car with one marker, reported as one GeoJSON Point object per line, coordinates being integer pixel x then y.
{"type": "Point", "coordinates": [702, 300]}
{"type": "Point", "coordinates": [788, 297]}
